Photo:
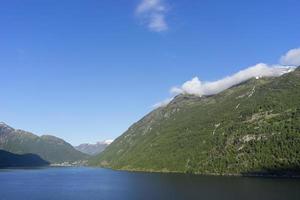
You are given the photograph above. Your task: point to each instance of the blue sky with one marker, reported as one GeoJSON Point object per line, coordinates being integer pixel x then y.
{"type": "Point", "coordinates": [86, 70]}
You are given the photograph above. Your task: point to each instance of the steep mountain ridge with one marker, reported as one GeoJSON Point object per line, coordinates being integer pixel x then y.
{"type": "Point", "coordinates": [50, 148]}
{"type": "Point", "coordinates": [251, 127]}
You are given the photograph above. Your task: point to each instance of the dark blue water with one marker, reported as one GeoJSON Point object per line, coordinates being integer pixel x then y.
{"type": "Point", "coordinates": [93, 183]}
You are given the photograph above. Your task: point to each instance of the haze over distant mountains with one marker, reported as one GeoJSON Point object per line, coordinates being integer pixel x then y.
{"type": "Point", "coordinates": [49, 148]}
{"type": "Point", "coordinates": [93, 149]}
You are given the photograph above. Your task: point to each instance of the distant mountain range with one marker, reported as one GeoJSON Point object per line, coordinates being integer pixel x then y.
{"type": "Point", "coordinates": [251, 128]}
{"type": "Point", "coordinates": [93, 149]}
{"type": "Point", "coordinates": [8, 159]}
{"type": "Point", "coordinates": [49, 148]}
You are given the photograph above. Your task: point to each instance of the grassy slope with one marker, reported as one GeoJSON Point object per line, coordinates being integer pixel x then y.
{"type": "Point", "coordinates": [252, 127]}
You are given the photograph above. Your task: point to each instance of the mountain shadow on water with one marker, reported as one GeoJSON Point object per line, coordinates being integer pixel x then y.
{"type": "Point", "coordinates": [8, 159]}
{"type": "Point", "coordinates": [284, 171]}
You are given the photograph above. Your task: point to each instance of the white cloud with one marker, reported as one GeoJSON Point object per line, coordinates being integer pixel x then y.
{"type": "Point", "coordinates": [292, 57]}
{"type": "Point", "coordinates": [158, 23]}
{"type": "Point", "coordinates": [163, 103]}
{"type": "Point", "coordinates": [199, 88]}
{"type": "Point", "coordinates": [153, 13]}
{"type": "Point", "coordinates": [150, 5]}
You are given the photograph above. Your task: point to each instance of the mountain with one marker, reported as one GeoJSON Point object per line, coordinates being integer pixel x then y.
{"type": "Point", "coordinates": [8, 159]}
{"type": "Point", "coordinates": [251, 128]}
{"type": "Point", "coordinates": [49, 148]}
{"type": "Point", "coordinates": [93, 149]}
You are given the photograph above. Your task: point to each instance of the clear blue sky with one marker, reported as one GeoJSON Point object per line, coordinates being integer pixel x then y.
{"type": "Point", "coordinates": [86, 70]}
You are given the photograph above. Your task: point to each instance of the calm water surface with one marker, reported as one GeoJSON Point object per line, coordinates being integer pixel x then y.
{"type": "Point", "coordinates": [93, 183]}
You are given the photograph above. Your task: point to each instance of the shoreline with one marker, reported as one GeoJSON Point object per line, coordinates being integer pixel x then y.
{"type": "Point", "coordinates": [249, 175]}
{"type": "Point", "coordinates": [245, 175]}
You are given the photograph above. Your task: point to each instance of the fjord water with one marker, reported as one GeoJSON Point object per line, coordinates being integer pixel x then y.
{"type": "Point", "coordinates": [94, 183]}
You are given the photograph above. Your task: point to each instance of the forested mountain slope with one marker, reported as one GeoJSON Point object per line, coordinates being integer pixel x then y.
{"type": "Point", "coordinates": [253, 127]}
{"type": "Point", "coordinates": [50, 148]}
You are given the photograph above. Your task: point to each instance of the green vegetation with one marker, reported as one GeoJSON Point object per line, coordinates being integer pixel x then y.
{"type": "Point", "coordinates": [50, 148]}
{"type": "Point", "coordinates": [253, 127]}
{"type": "Point", "coordinates": [8, 159]}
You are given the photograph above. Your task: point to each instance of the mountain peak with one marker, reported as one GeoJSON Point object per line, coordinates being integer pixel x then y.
{"type": "Point", "coordinates": [93, 149]}
{"type": "Point", "coordinates": [48, 147]}
{"type": "Point", "coordinates": [108, 142]}
{"type": "Point", "coordinates": [3, 124]}
{"type": "Point", "coordinates": [185, 97]}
